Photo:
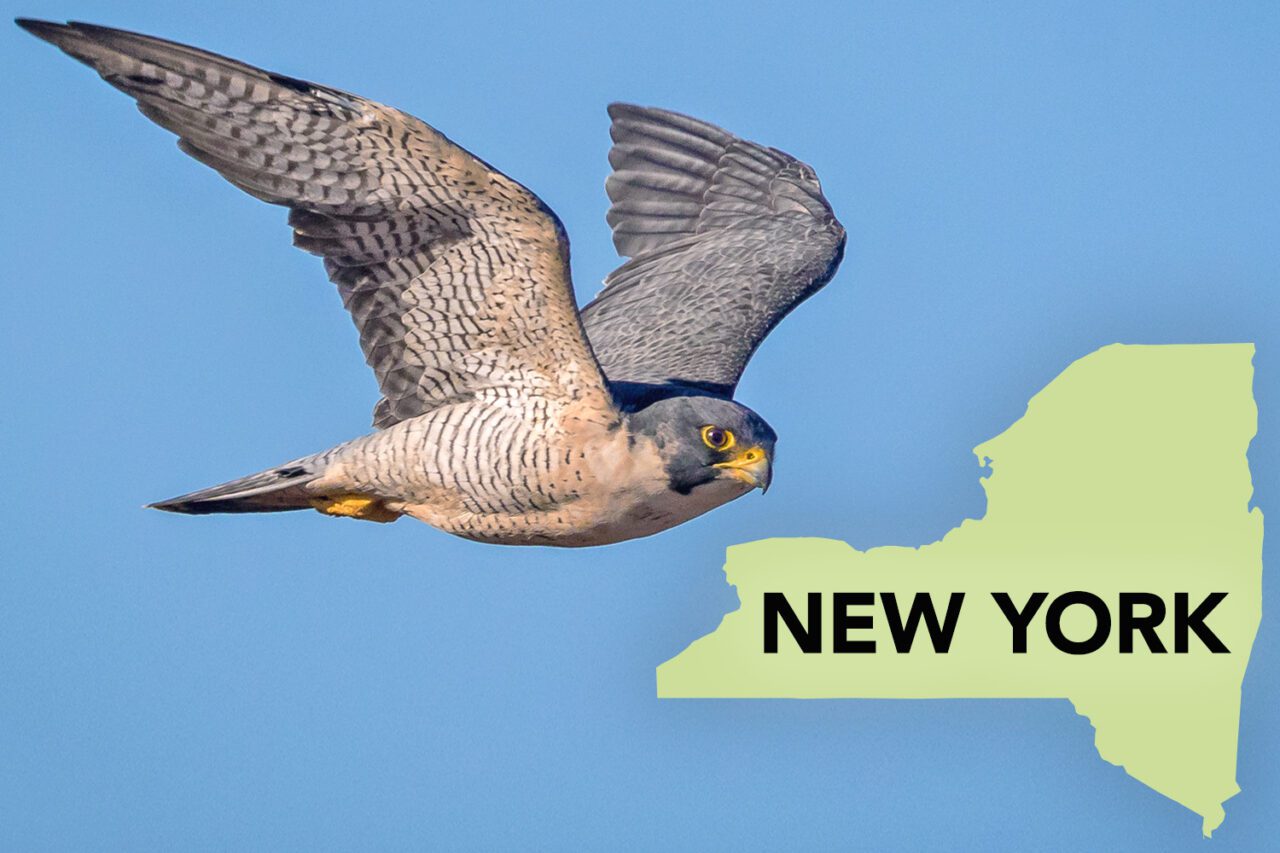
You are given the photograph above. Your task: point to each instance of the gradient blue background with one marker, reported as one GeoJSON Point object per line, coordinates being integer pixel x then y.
{"type": "Point", "coordinates": [1020, 187]}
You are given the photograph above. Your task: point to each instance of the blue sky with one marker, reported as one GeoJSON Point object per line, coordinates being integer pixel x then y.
{"type": "Point", "coordinates": [1021, 183]}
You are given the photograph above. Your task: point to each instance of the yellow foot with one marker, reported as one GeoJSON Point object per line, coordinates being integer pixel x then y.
{"type": "Point", "coordinates": [355, 506]}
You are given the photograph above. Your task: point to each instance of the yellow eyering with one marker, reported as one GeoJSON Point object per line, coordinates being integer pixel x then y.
{"type": "Point", "coordinates": [729, 439]}
{"type": "Point", "coordinates": [355, 506]}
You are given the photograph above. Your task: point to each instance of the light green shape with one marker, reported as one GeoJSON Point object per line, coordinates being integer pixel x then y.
{"type": "Point", "coordinates": [1128, 473]}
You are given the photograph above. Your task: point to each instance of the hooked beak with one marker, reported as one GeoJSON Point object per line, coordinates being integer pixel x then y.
{"type": "Point", "coordinates": [751, 466]}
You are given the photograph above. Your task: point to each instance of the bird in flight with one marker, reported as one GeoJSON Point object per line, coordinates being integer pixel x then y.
{"type": "Point", "coordinates": [507, 415]}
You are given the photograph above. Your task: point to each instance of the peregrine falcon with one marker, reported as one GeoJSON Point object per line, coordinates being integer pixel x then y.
{"type": "Point", "coordinates": [507, 415]}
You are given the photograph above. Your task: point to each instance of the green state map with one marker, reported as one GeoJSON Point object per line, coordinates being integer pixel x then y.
{"type": "Point", "coordinates": [1128, 473]}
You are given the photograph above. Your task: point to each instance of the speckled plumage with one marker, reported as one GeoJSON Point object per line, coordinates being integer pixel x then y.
{"type": "Point", "coordinates": [497, 420]}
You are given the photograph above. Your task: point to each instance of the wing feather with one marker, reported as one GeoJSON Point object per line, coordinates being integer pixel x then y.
{"type": "Point", "coordinates": [725, 237]}
{"type": "Point", "coordinates": [457, 277]}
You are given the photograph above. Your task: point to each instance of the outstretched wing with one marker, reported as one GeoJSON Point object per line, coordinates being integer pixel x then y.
{"type": "Point", "coordinates": [456, 276]}
{"type": "Point", "coordinates": [725, 237]}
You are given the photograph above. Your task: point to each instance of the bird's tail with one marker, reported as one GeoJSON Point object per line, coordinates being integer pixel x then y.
{"type": "Point", "coordinates": [274, 490]}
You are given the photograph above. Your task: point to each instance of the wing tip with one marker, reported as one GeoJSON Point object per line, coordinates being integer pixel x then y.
{"type": "Point", "coordinates": [172, 505]}
{"type": "Point", "coordinates": [70, 37]}
{"type": "Point", "coordinates": [53, 31]}
{"type": "Point", "coordinates": [49, 31]}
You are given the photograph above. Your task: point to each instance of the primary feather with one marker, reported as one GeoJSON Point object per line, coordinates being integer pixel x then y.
{"type": "Point", "coordinates": [456, 276]}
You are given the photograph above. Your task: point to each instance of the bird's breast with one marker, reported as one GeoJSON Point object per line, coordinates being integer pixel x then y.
{"type": "Point", "coordinates": [625, 493]}
{"type": "Point", "coordinates": [614, 487]}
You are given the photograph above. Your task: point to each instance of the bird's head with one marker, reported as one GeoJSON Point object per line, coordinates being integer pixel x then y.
{"type": "Point", "coordinates": [705, 439]}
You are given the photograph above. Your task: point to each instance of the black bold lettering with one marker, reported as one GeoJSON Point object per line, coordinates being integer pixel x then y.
{"type": "Point", "coordinates": [808, 638]}
{"type": "Point", "coordinates": [1053, 623]}
{"type": "Point", "coordinates": [1019, 620]}
{"type": "Point", "coordinates": [1145, 625]}
{"type": "Point", "coordinates": [922, 607]}
{"type": "Point", "coordinates": [842, 622]}
{"type": "Point", "coordinates": [1182, 620]}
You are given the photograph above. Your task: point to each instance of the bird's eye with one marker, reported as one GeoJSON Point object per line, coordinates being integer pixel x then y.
{"type": "Point", "coordinates": [717, 438]}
